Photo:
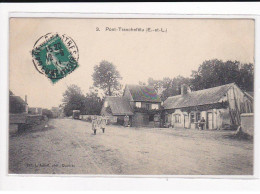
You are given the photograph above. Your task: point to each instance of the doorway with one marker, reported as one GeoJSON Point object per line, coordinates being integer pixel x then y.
{"type": "Point", "coordinates": [210, 120]}
{"type": "Point", "coordinates": [186, 121]}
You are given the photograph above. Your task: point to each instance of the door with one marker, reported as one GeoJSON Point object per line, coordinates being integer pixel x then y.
{"type": "Point", "coordinates": [210, 120]}
{"type": "Point", "coordinates": [172, 120]}
{"type": "Point", "coordinates": [186, 121]}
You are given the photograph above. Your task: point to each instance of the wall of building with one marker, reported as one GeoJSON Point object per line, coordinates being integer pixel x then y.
{"type": "Point", "coordinates": [174, 123]}
{"type": "Point", "coordinates": [247, 123]}
{"type": "Point", "coordinates": [223, 118]}
{"type": "Point", "coordinates": [34, 119]}
{"type": "Point", "coordinates": [144, 105]}
{"type": "Point", "coordinates": [140, 119]}
{"type": "Point", "coordinates": [220, 119]}
{"type": "Point", "coordinates": [238, 100]}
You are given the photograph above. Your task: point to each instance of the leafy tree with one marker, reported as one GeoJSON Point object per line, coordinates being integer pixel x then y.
{"type": "Point", "coordinates": [73, 99]}
{"type": "Point", "coordinates": [212, 73]}
{"type": "Point", "coordinates": [106, 77]}
{"type": "Point", "coordinates": [247, 77]}
{"type": "Point", "coordinates": [168, 86]}
{"type": "Point", "coordinates": [93, 103]}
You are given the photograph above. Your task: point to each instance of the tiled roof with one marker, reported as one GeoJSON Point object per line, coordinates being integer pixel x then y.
{"type": "Point", "coordinates": [200, 97]}
{"type": "Point", "coordinates": [143, 93]}
{"type": "Point", "coordinates": [119, 105]}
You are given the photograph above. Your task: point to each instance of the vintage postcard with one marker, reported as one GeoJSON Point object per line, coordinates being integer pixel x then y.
{"type": "Point", "coordinates": [131, 96]}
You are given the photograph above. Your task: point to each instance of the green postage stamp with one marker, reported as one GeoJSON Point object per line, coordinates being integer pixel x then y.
{"type": "Point", "coordinates": [55, 56]}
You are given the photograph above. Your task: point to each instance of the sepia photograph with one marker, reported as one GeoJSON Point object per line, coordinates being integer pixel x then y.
{"type": "Point", "coordinates": [131, 96]}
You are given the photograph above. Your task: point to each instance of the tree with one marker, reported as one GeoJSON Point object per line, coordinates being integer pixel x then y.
{"type": "Point", "coordinates": [106, 77]}
{"type": "Point", "coordinates": [212, 73]}
{"type": "Point", "coordinates": [93, 103]}
{"type": "Point", "coordinates": [73, 99]}
{"type": "Point", "coordinates": [168, 86]}
{"type": "Point", "coordinates": [247, 77]}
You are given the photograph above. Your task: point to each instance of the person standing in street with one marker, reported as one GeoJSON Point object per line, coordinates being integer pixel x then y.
{"type": "Point", "coordinates": [103, 123]}
{"type": "Point", "coordinates": [126, 120]}
{"type": "Point", "coordinates": [202, 123]}
{"type": "Point", "coordinates": [94, 124]}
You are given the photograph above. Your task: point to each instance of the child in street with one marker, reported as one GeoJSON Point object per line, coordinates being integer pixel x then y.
{"type": "Point", "coordinates": [94, 124]}
{"type": "Point", "coordinates": [103, 123]}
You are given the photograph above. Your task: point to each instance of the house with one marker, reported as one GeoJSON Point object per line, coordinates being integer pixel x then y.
{"type": "Point", "coordinates": [140, 103]}
{"type": "Point", "coordinates": [35, 111]}
{"type": "Point", "coordinates": [116, 107]}
{"type": "Point", "coordinates": [220, 106]}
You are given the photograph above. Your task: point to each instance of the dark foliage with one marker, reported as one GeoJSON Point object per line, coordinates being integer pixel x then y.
{"type": "Point", "coordinates": [47, 113]}
{"type": "Point", "coordinates": [73, 99]}
{"type": "Point", "coordinates": [211, 73]}
{"type": "Point", "coordinates": [106, 77]}
{"type": "Point", "coordinates": [93, 103]}
{"type": "Point", "coordinates": [215, 72]}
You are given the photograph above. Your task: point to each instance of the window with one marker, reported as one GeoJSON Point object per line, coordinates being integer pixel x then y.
{"type": "Point", "coordinates": [177, 118]}
{"type": "Point", "coordinates": [192, 118]}
{"type": "Point", "coordinates": [105, 104]}
{"type": "Point", "coordinates": [155, 106]}
{"type": "Point", "coordinates": [198, 116]}
{"type": "Point", "coordinates": [138, 104]}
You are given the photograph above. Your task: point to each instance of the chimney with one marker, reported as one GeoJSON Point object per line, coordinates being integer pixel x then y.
{"type": "Point", "coordinates": [185, 89]}
{"type": "Point", "coordinates": [25, 98]}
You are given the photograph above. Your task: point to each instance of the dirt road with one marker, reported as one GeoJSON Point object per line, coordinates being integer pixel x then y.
{"type": "Point", "coordinates": [69, 147]}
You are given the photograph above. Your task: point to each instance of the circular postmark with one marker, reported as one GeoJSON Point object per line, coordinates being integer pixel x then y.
{"type": "Point", "coordinates": [55, 56]}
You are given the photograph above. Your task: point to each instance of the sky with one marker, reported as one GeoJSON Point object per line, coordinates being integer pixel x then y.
{"type": "Point", "coordinates": [136, 55]}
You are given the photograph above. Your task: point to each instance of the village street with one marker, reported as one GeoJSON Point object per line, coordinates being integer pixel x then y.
{"type": "Point", "coordinates": [68, 146]}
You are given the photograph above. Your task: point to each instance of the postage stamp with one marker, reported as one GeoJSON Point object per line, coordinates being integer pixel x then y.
{"type": "Point", "coordinates": [55, 56]}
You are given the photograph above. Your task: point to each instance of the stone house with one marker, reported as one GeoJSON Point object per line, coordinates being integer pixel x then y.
{"type": "Point", "coordinates": [220, 106]}
{"type": "Point", "coordinates": [140, 103]}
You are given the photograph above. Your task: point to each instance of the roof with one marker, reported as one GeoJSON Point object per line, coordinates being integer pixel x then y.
{"type": "Point", "coordinates": [119, 105]}
{"type": "Point", "coordinates": [16, 99]}
{"type": "Point", "coordinates": [250, 95]}
{"type": "Point", "coordinates": [200, 97]}
{"type": "Point", "coordinates": [143, 93]}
